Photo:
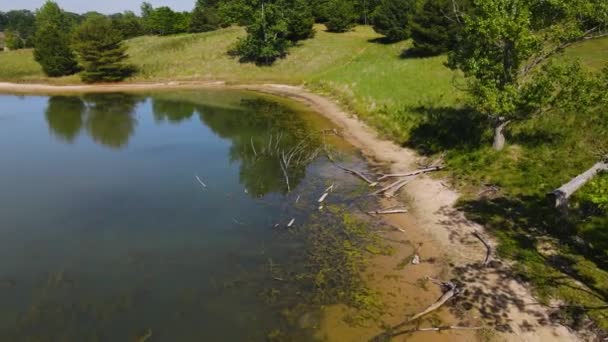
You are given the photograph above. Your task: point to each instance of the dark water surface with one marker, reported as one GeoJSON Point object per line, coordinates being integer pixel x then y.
{"type": "Point", "coordinates": [106, 234]}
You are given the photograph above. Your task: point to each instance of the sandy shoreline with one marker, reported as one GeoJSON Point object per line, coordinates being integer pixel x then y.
{"type": "Point", "coordinates": [433, 211]}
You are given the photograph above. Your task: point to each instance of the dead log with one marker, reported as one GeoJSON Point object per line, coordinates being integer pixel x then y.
{"type": "Point", "coordinates": [386, 212]}
{"type": "Point", "coordinates": [413, 173]}
{"type": "Point", "coordinates": [559, 197]}
{"type": "Point", "coordinates": [488, 248]}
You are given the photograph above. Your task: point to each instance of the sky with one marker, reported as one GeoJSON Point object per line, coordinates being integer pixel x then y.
{"type": "Point", "coordinates": [103, 6]}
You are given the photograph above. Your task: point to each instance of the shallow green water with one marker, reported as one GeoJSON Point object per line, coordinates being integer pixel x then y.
{"type": "Point", "coordinates": [107, 232]}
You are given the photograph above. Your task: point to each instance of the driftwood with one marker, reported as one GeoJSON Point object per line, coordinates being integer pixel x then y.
{"type": "Point", "coordinates": [413, 173]}
{"type": "Point", "coordinates": [200, 181]}
{"type": "Point", "coordinates": [400, 183]}
{"type": "Point", "coordinates": [488, 248]}
{"type": "Point", "coordinates": [442, 328]}
{"type": "Point", "coordinates": [391, 192]}
{"type": "Point", "coordinates": [559, 197]}
{"type": "Point", "coordinates": [452, 291]}
{"type": "Point", "coordinates": [385, 212]}
{"type": "Point", "coordinates": [356, 173]}
{"type": "Point", "coordinates": [323, 197]}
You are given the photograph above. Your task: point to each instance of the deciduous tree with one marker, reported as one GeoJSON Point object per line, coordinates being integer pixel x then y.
{"type": "Point", "coordinates": [52, 46]}
{"type": "Point", "coordinates": [504, 45]}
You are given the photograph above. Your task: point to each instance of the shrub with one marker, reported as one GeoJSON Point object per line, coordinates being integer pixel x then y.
{"type": "Point", "coordinates": [52, 49]}
{"type": "Point", "coordinates": [341, 15]}
{"type": "Point", "coordinates": [266, 37]}
{"type": "Point", "coordinates": [392, 19]}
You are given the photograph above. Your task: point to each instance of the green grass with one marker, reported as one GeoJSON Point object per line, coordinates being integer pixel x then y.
{"type": "Point", "coordinates": [414, 102]}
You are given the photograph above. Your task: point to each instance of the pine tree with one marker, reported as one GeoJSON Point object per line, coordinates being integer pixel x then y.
{"type": "Point", "coordinates": [52, 49]}
{"type": "Point", "coordinates": [300, 20]}
{"type": "Point", "coordinates": [392, 19]}
{"type": "Point", "coordinates": [101, 52]}
{"type": "Point", "coordinates": [435, 27]}
{"type": "Point", "coordinates": [340, 15]}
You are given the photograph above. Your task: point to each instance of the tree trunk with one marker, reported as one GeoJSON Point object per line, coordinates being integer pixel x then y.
{"type": "Point", "coordinates": [499, 136]}
{"type": "Point", "coordinates": [560, 196]}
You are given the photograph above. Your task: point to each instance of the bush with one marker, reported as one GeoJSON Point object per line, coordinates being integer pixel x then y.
{"type": "Point", "coordinates": [14, 41]}
{"type": "Point", "coordinates": [341, 15]}
{"type": "Point", "coordinates": [266, 37]}
{"type": "Point", "coordinates": [100, 49]}
{"type": "Point", "coordinates": [300, 20]}
{"type": "Point", "coordinates": [392, 19]}
{"type": "Point", "coordinates": [53, 52]}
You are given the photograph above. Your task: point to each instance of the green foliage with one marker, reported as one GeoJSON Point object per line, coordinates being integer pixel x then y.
{"type": "Point", "coordinates": [596, 193]}
{"type": "Point", "coordinates": [128, 24]}
{"type": "Point", "coordinates": [21, 23]}
{"type": "Point", "coordinates": [205, 17]}
{"type": "Point", "coordinates": [340, 15]}
{"type": "Point", "coordinates": [392, 19]}
{"type": "Point", "coordinates": [53, 50]}
{"type": "Point", "coordinates": [266, 37]}
{"type": "Point", "coordinates": [164, 21]}
{"type": "Point", "coordinates": [241, 12]}
{"type": "Point", "coordinates": [13, 40]}
{"type": "Point", "coordinates": [434, 27]}
{"type": "Point", "coordinates": [299, 20]}
{"type": "Point", "coordinates": [504, 43]}
{"type": "Point", "coordinates": [275, 27]}
{"type": "Point", "coordinates": [100, 50]}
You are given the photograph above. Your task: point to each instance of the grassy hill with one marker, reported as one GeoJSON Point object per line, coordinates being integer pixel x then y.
{"type": "Point", "coordinates": [415, 102]}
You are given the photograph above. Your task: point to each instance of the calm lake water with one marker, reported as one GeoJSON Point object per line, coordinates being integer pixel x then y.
{"type": "Point", "coordinates": [107, 232]}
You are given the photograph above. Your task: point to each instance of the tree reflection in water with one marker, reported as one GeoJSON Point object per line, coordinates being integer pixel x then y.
{"type": "Point", "coordinates": [264, 134]}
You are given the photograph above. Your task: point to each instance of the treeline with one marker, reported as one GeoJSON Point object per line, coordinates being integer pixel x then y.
{"type": "Point", "coordinates": [273, 26]}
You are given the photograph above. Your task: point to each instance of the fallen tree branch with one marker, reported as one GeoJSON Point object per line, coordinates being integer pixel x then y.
{"type": "Point", "coordinates": [388, 187]}
{"type": "Point", "coordinates": [391, 192]}
{"type": "Point", "coordinates": [413, 173]}
{"type": "Point", "coordinates": [488, 248]}
{"type": "Point", "coordinates": [200, 181]}
{"type": "Point", "coordinates": [450, 290]}
{"type": "Point", "coordinates": [385, 212]}
{"type": "Point", "coordinates": [442, 328]}
{"type": "Point", "coordinates": [439, 303]}
{"type": "Point", "coordinates": [357, 173]}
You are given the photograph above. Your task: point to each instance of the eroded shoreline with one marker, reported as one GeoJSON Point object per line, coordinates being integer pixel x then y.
{"type": "Point", "coordinates": [433, 213]}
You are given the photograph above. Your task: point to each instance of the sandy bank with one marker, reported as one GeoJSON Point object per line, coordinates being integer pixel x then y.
{"type": "Point", "coordinates": [507, 304]}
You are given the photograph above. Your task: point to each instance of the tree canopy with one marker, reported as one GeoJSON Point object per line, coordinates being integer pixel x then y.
{"type": "Point", "coordinates": [392, 18]}
{"type": "Point", "coordinates": [504, 44]}
{"type": "Point", "coordinates": [52, 41]}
